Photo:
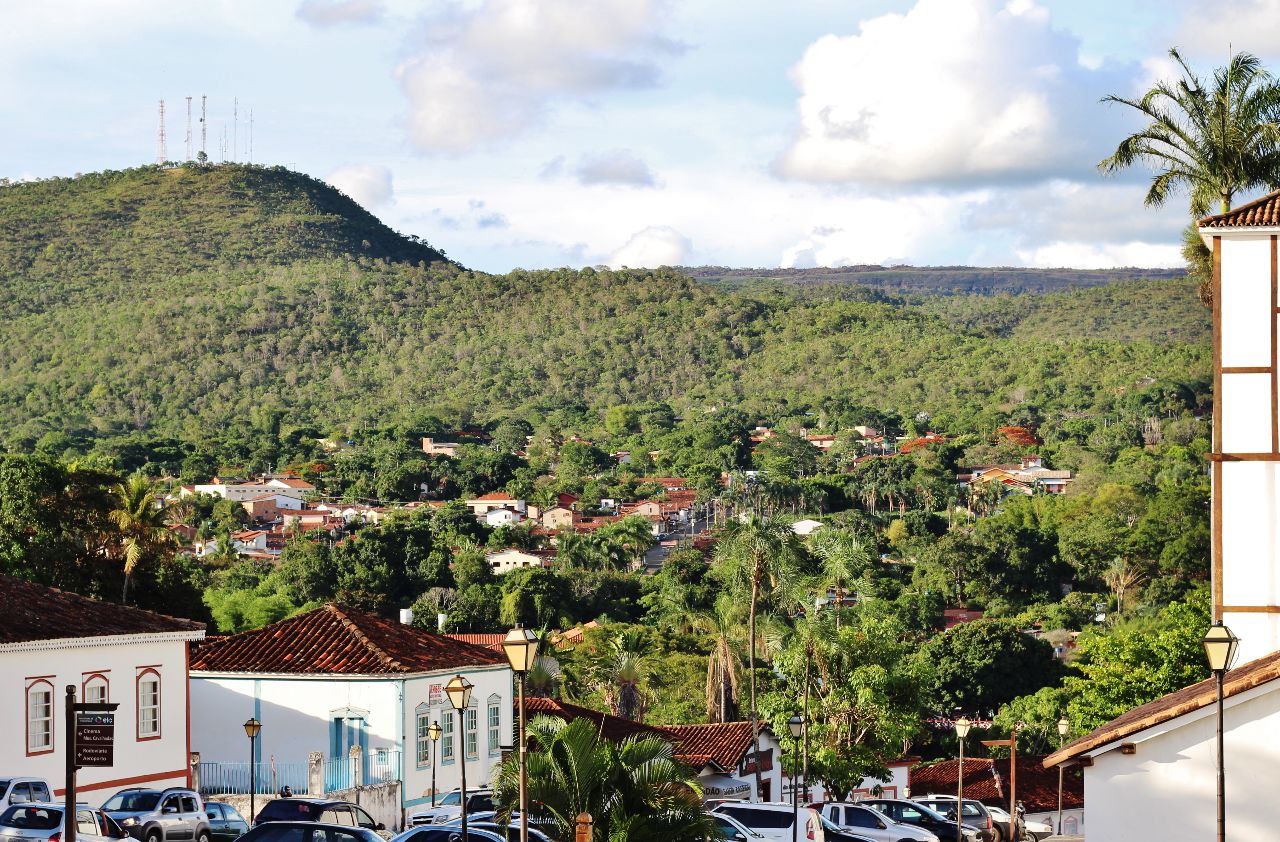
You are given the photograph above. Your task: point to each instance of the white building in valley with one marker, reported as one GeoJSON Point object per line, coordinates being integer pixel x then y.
{"type": "Point", "coordinates": [51, 639]}
{"type": "Point", "coordinates": [1149, 774]}
{"type": "Point", "coordinates": [334, 679]}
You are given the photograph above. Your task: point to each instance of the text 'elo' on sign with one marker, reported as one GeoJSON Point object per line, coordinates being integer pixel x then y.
{"type": "Point", "coordinates": [95, 738]}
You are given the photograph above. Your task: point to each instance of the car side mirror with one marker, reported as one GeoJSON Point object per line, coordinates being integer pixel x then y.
{"type": "Point", "coordinates": [379, 826]}
{"type": "Point", "coordinates": [738, 837]}
{"type": "Point", "coordinates": [169, 810]}
{"type": "Point", "coordinates": [211, 815]}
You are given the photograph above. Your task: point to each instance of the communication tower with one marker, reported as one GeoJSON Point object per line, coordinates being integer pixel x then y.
{"type": "Point", "coordinates": [162, 154]}
{"type": "Point", "coordinates": [188, 129]}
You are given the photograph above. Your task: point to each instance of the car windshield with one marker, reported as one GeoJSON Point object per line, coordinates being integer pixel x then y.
{"type": "Point", "coordinates": [132, 802]}
{"type": "Point", "coordinates": [929, 811]}
{"type": "Point", "coordinates": [450, 800]}
{"type": "Point", "coordinates": [32, 818]}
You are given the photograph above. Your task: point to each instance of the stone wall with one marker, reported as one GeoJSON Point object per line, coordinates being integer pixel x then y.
{"type": "Point", "coordinates": [382, 801]}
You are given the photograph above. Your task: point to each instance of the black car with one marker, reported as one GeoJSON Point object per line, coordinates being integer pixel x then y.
{"type": "Point", "coordinates": [909, 812]}
{"type": "Point", "coordinates": [323, 810]}
{"type": "Point", "coordinates": [225, 822]}
{"type": "Point", "coordinates": [292, 831]}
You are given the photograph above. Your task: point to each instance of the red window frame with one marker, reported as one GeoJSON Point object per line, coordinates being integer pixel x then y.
{"type": "Point", "coordinates": [30, 684]}
{"type": "Point", "coordinates": [137, 704]}
{"type": "Point", "coordinates": [90, 676]}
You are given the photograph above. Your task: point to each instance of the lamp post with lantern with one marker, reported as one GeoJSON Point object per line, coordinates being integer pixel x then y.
{"type": "Point", "coordinates": [251, 728]}
{"type": "Point", "coordinates": [459, 692]}
{"type": "Point", "coordinates": [1064, 725]}
{"type": "Point", "coordinates": [1220, 651]}
{"type": "Point", "coordinates": [433, 733]}
{"type": "Point", "coordinates": [962, 730]}
{"type": "Point", "coordinates": [796, 726]}
{"type": "Point", "coordinates": [521, 648]}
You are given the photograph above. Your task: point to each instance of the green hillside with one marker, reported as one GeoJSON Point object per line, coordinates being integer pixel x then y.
{"type": "Point", "coordinates": [183, 301]}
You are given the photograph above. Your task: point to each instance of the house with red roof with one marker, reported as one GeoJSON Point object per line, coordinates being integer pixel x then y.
{"type": "Point", "coordinates": [724, 755]}
{"type": "Point", "coordinates": [51, 640]}
{"type": "Point", "coordinates": [338, 681]}
{"type": "Point", "coordinates": [989, 781]}
{"type": "Point", "coordinates": [485, 503]}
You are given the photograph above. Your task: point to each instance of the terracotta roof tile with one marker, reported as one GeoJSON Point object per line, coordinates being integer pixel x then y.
{"type": "Point", "coordinates": [495, 495]}
{"type": "Point", "coordinates": [36, 612]}
{"type": "Point", "coordinates": [726, 743]}
{"type": "Point", "coordinates": [332, 640]}
{"type": "Point", "coordinates": [612, 728]}
{"type": "Point", "coordinates": [1202, 694]}
{"type": "Point", "coordinates": [988, 781]}
{"type": "Point", "coordinates": [1264, 211]}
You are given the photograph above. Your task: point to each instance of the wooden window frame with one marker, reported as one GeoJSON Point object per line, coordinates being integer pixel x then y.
{"type": "Point", "coordinates": [143, 674]}
{"type": "Point", "coordinates": [30, 685]}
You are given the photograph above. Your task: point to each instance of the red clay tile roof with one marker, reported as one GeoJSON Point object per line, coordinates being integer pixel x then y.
{"type": "Point", "coordinates": [488, 641]}
{"type": "Point", "coordinates": [1186, 700]}
{"type": "Point", "coordinates": [612, 728]}
{"type": "Point", "coordinates": [335, 640]}
{"type": "Point", "coordinates": [494, 495]}
{"type": "Point", "coordinates": [726, 743]}
{"type": "Point", "coordinates": [988, 781]}
{"type": "Point", "coordinates": [36, 612]}
{"type": "Point", "coordinates": [1264, 211]}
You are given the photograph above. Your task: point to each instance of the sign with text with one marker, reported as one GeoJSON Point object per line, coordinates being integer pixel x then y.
{"type": "Point", "coordinates": [95, 738]}
{"type": "Point", "coordinates": [435, 695]}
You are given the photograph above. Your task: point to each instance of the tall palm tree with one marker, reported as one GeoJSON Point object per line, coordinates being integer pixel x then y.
{"type": "Point", "coordinates": [843, 556]}
{"type": "Point", "coordinates": [621, 672]}
{"type": "Point", "coordinates": [755, 556]}
{"type": "Point", "coordinates": [634, 790]}
{"type": "Point", "coordinates": [723, 624]}
{"type": "Point", "coordinates": [139, 519]}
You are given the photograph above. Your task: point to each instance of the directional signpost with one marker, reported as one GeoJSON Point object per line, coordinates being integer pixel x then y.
{"type": "Point", "coordinates": [91, 728]}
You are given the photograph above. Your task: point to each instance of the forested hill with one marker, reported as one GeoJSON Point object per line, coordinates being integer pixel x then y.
{"type": "Point", "coordinates": [193, 301]}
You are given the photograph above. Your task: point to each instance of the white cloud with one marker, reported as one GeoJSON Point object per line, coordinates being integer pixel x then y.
{"type": "Point", "coordinates": [324, 13]}
{"type": "Point", "coordinates": [1245, 25]}
{"type": "Point", "coordinates": [950, 91]}
{"type": "Point", "coordinates": [368, 184]}
{"type": "Point", "coordinates": [492, 70]}
{"type": "Point", "coordinates": [1077, 255]}
{"type": "Point", "coordinates": [657, 245]}
{"type": "Point", "coordinates": [617, 167]}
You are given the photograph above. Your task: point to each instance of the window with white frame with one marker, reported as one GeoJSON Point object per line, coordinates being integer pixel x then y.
{"type": "Point", "coordinates": [148, 704]}
{"type": "Point", "coordinates": [446, 738]}
{"type": "Point", "coordinates": [495, 725]}
{"type": "Point", "coordinates": [95, 689]}
{"type": "Point", "coordinates": [472, 736]}
{"type": "Point", "coordinates": [39, 717]}
{"type": "Point", "coordinates": [424, 735]}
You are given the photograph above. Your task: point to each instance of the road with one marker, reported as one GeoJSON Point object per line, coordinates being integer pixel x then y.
{"type": "Point", "coordinates": [657, 554]}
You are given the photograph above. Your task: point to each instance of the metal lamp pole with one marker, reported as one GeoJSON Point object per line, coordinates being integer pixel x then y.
{"type": "Point", "coordinates": [1064, 725]}
{"type": "Point", "coordinates": [521, 648]}
{"type": "Point", "coordinates": [433, 733]}
{"type": "Point", "coordinates": [251, 727]}
{"type": "Point", "coordinates": [962, 730]}
{"type": "Point", "coordinates": [796, 726]}
{"type": "Point", "coordinates": [459, 692]}
{"type": "Point", "coordinates": [1220, 651]}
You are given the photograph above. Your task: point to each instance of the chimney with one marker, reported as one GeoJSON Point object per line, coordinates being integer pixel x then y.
{"type": "Point", "coordinates": [440, 621]}
{"type": "Point", "coordinates": [406, 616]}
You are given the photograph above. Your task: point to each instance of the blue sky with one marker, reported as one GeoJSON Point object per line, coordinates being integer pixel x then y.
{"type": "Point", "coordinates": [531, 133]}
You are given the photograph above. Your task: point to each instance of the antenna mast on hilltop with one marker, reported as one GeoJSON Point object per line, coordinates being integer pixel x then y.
{"type": "Point", "coordinates": [161, 153]}
{"type": "Point", "coordinates": [235, 128]}
{"type": "Point", "coordinates": [188, 158]}
{"type": "Point", "coordinates": [251, 135]}
{"type": "Point", "coordinates": [204, 125]}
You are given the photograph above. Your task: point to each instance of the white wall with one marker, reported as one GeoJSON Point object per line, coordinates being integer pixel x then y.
{"type": "Point", "coordinates": [1166, 790]}
{"type": "Point", "coordinates": [137, 762]}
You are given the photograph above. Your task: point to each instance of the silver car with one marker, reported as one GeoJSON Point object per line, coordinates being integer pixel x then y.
{"type": "Point", "coordinates": [43, 821]}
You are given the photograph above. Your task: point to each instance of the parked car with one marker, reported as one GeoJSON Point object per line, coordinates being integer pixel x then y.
{"type": "Point", "coordinates": [16, 790]}
{"type": "Point", "coordinates": [1037, 830]}
{"type": "Point", "coordinates": [774, 820]}
{"type": "Point", "coordinates": [973, 813]}
{"type": "Point", "coordinates": [291, 831]}
{"type": "Point", "coordinates": [1001, 818]}
{"type": "Point", "coordinates": [911, 812]}
{"type": "Point", "coordinates": [32, 821]}
{"type": "Point", "coordinates": [449, 807]}
{"type": "Point", "coordinates": [867, 821]}
{"type": "Point", "coordinates": [450, 833]}
{"type": "Point", "coordinates": [160, 815]}
{"type": "Point", "coordinates": [321, 810]}
{"type": "Point", "coordinates": [734, 830]}
{"type": "Point", "coordinates": [225, 822]}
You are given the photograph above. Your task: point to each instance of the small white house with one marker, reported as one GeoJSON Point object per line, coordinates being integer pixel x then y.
{"type": "Point", "coordinates": [512, 559]}
{"type": "Point", "coordinates": [51, 639]}
{"type": "Point", "coordinates": [485, 503]}
{"type": "Point", "coordinates": [726, 761]}
{"type": "Point", "coordinates": [502, 517]}
{"type": "Point", "coordinates": [333, 679]}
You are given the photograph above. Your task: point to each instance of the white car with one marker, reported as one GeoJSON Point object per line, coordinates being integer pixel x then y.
{"type": "Point", "coordinates": [867, 821]}
{"type": "Point", "coordinates": [449, 807]}
{"type": "Point", "coordinates": [1036, 830]}
{"type": "Point", "coordinates": [773, 820]}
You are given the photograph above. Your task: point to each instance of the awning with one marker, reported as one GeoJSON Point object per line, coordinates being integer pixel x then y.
{"type": "Point", "coordinates": [723, 786]}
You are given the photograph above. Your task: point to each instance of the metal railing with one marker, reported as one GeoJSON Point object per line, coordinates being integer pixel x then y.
{"type": "Point", "coordinates": [377, 767]}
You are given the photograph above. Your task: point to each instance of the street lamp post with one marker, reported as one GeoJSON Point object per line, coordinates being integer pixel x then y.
{"type": "Point", "coordinates": [251, 727]}
{"type": "Point", "coordinates": [521, 648]}
{"type": "Point", "coordinates": [796, 725]}
{"type": "Point", "coordinates": [1220, 651]}
{"type": "Point", "coordinates": [433, 732]}
{"type": "Point", "coordinates": [1064, 725]}
{"type": "Point", "coordinates": [459, 692]}
{"type": "Point", "coordinates": [962, 730]}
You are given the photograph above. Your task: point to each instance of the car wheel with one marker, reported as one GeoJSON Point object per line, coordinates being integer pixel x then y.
{"type": "Point", "coordinates": [154, 836]}
{"type": "Point", "coordinates": [203, 836]}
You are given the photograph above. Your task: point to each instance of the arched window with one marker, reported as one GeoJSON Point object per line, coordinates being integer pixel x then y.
{"type": "Point", "coordinates": [39, 717]}
{"type": "Point", "coordinates": [95, 688]}
{"type": "Point", "coordinates": [148, 704]}
{"type": "Point", "coordinates": [494, 721]}
{"type": "Point", "coordinates": [472, 736]}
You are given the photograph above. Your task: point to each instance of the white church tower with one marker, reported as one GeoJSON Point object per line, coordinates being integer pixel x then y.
{"type": "Point", "coordinates": [1246, 426]}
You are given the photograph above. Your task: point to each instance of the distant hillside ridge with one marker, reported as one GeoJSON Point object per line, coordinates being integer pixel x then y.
{"type": "Point", "coordinates": [925, 280]}
{"type": "Point", "coordinates": [171, 220]}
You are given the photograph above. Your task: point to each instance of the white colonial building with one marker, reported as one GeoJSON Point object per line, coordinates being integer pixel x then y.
{"type": "Point", "coordinates": [51, 639]}
{"type": "Point", "coordinates": [1150, 774]}
{"type": "Point", "coordinates": [335, 679]}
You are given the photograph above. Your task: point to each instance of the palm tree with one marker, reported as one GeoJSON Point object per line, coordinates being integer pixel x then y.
{"type": "Point", "coordinates": [1121, 578]}
{"type": "Point", "coordinates": [140, 521]}
{"type": "Point", "coordinates": [620, 673]}
{"type": "Point", "coordinates": [755, 555]}
{"type": "Point", "coordinates": [723, 625]}
{"type": "Point", "coordinates": [634, 790]}
{"type": "Point", "coordinates": [843, 556]}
